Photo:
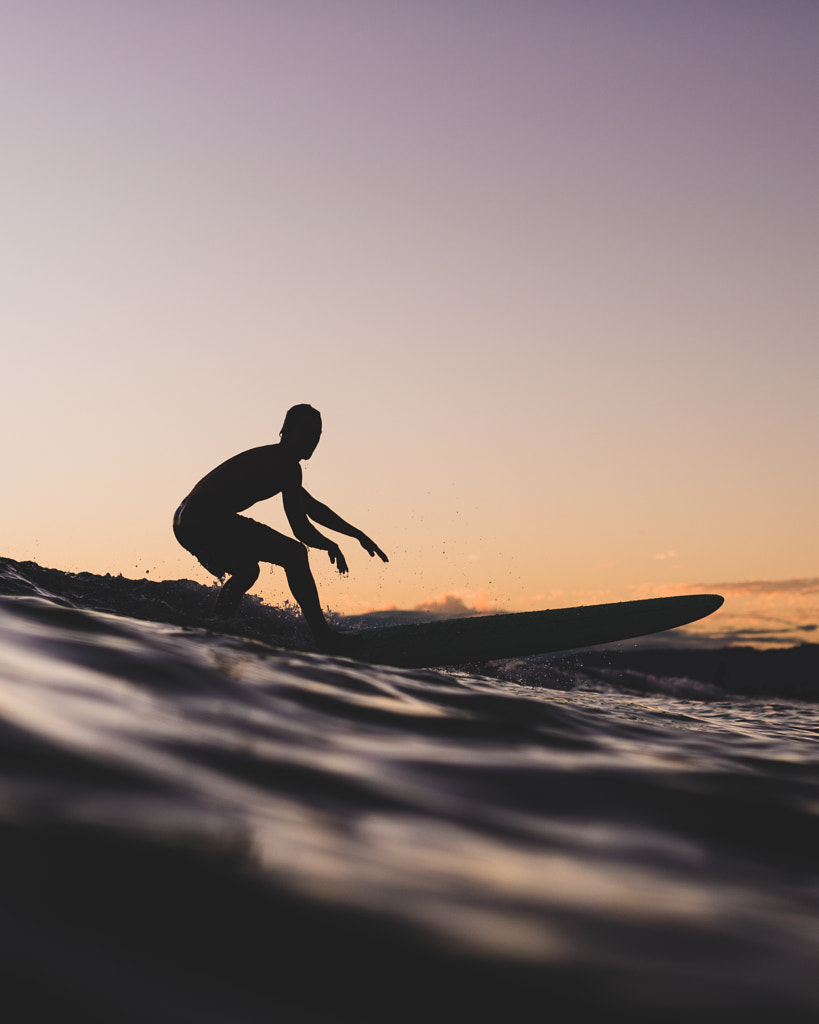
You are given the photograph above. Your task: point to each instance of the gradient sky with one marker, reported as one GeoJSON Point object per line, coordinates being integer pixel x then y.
{"type": "Point", "coordinates": [548, 270]}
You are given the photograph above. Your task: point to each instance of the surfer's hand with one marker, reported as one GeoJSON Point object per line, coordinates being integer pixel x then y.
{"type": "Point", "coordinates": [372, 548]}
{"type": "Point", "coordinates": [338, 560]}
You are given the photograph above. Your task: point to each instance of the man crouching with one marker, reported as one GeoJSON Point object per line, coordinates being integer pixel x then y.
{"type": "Point", "coordinates": [208, 524]}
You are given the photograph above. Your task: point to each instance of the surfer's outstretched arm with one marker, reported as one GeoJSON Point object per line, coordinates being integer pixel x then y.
{"type": "Point", "coordinates": [294, 508]}
{"type": "Point", "coordinates": [327, 517]}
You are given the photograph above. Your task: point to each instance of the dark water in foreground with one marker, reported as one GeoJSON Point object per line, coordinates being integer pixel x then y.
{"type": "Point", "coordinates": [199, 827]}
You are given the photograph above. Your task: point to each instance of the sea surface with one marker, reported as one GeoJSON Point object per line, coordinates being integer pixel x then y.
{"type": "Point", "coordinates": [211, 826]}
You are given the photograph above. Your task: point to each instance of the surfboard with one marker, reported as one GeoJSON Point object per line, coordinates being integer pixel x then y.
{"type": "Point", "coordinates": [493, 637]}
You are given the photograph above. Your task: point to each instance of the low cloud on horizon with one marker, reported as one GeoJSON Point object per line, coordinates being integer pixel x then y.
{"type": "Point", "coordinates": [759, 613]}
{"type": "Point", "coordinates": [452, 604]}
{"type": "Point", "coordinates": [746, 588]}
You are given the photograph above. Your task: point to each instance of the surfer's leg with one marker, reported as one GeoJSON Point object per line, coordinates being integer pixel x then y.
{"type": "Point", "coordinates": [303, 588]}
{"type": "Point", "coordinates": [233, 591]}
{"type": "Point", "coordinates": [251, 543]}
{"type": "Point", "coordinates": [255, 542]}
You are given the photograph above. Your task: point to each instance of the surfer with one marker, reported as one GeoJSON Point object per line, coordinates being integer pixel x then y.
{"type": "Point", "coordinates": [208, 524]}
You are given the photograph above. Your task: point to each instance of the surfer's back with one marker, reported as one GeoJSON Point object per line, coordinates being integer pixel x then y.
{"type": "Point", "coordinates": [244, 479]}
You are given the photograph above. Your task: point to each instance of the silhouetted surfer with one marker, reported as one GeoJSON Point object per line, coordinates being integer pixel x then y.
{"type": "Point", "coordinates": [208, 524]}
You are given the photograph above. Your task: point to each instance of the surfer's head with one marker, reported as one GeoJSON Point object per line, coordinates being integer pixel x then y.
{"type": "Point", "coordinates": [301, 430]}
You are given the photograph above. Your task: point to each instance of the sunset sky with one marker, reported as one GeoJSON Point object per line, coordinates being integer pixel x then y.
{"type": "Point", "coordinates": [548, 269]}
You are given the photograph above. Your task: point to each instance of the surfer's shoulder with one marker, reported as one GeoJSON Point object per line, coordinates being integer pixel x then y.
{"type": "Point", "coordinates": [264, 458]}
{"type": "Point", "coordinates": [275, 459]}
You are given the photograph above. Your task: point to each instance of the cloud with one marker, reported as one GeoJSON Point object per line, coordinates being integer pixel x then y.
{"type": "Point", "coordinates": [765, 611]}
{"type": "Point", "coordinates": [758, 612]}
{"type": "Point", "coordinates": [452, 604]}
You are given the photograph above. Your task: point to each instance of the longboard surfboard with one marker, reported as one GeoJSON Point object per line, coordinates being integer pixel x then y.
{"type": "Point", "coordinates": [493, 637]}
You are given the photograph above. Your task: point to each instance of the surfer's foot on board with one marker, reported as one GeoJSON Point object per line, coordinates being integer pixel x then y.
{"type": "Point", "coordinates": [345, 644]}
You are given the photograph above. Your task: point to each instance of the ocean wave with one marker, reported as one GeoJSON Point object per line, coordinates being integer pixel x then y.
{"type": "Point", "coordinates": [203, 826]}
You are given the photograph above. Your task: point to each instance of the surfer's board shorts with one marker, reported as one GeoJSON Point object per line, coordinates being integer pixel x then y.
{"type": "Point", "coordinates": [226, 544]}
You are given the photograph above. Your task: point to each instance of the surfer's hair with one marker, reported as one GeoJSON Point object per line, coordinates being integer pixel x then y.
{"type": "Point", "coordinates": [300, 416]}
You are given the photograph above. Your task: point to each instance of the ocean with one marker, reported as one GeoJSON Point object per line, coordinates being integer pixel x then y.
{"type": "Point", "coordinates": [226, 827]}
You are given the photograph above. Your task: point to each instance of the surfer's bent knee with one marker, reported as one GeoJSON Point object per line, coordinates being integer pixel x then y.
{"type": "Point", "coordinates": [286, 552]}
{"type": "Point", "coordinates": [299, 553]}
{"type": "Point", "coordinates": [246, 574]}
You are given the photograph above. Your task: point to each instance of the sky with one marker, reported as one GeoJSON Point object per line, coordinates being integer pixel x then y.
{"type": "Point", "coordinates": [547, 269]}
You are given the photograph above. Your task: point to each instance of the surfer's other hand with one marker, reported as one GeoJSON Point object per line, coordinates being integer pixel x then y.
{"type": "Point", "coordinates": [372, 548]}
{"type": "Point", "coordinates": [338, 559]}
